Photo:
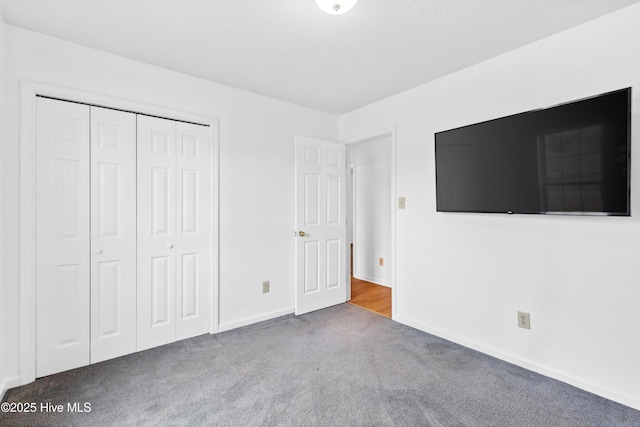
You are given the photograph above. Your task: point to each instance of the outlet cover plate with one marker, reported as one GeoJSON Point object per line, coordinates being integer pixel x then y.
{"type": "Point", "coordinates": [265, 286]}
{"type": "Point", "coordinates": [524, 320]}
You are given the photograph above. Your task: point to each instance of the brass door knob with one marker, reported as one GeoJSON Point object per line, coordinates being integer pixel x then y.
{"type": "Point", "coordinates": [301, 233]}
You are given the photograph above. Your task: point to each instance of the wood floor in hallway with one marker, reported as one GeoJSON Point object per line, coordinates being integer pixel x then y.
{"type": "Point", "coordinates": [370, 296]}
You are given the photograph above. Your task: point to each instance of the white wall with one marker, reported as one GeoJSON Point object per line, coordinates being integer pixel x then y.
{"type": "Point", "coordinates": [371, 163]}
{"type": "Point", "coordinates": [256, 169]}
{"type": "Point", "coordinates": [464, 276]}
{"type": "Point", "coordinates": [4, 369]}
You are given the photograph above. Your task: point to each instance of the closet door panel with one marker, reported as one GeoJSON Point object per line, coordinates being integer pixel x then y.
{"type": "Point", "coordinates": [193, 253]}
{"type": "Point", "coordinates": [156, 231]}
{"type": "Point", "coordinates": [113, 233]}
{"type": "Point", "coordinates": [62, 236]}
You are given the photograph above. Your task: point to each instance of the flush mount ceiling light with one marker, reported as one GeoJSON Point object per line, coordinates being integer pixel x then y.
{"type": "Point", "coordinates": [336, 7]}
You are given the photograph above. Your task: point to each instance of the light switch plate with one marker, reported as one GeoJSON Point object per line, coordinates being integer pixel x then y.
{"type": "Point", "coordinates": [401, 203]}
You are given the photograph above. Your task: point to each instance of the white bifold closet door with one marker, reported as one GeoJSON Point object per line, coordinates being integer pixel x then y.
{"type": "Point", "coordinates": [113, 233]}
{"type": "Point", "coordinates": [62, 236]}
{"type": "Point", "coordinates": [85, 235]}
{"type": "Point", "coordinates": [123, 249]}
{"type": "Point", "coordinates": [174, 265]}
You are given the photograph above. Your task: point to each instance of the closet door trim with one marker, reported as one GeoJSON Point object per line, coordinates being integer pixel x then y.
{"type": "Point", "coordinates": [29, 90]}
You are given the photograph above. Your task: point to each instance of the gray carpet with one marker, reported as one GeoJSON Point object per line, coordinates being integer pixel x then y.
{"type": "Point", "coordinates": [341, 366]}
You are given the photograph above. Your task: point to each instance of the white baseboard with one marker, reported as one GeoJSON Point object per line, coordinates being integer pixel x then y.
{"type": "Point", "coordinates": [8, 382]}
{"type": "Point", "coordinates": [601, 390]}
{"type": "Point", "coordinates": [254, 319]}
{"type": "Point", "coordinates": [372, 280]}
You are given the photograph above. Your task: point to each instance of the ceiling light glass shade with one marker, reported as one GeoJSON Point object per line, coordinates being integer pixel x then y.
{"type": "Point", "coordinates": [336, 7]}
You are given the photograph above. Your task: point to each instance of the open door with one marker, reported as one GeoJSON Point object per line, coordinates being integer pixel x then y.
{"type": "Point", "coordinates": [321, 231]}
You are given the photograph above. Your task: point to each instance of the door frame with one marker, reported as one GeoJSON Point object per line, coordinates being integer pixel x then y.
{"type": "Point", "coordinates": [28, 92]}
{"type": "Point", "coordinates": [357, 139]}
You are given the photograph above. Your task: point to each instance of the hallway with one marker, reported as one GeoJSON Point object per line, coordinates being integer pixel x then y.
{"type": "Point", "coordinates": [371, 297]}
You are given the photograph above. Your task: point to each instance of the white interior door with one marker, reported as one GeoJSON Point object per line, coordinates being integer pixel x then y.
{"type": "Point", "coordinates": [321, 244]}
{"type": "Point", "coordinates": [193, 230]}
{"type": "Point", "coordinates": [113, 233]}
{"type": "Point", "coordinates": [62, 236]}
{"type": "Point", "coordinates": [156, 231]}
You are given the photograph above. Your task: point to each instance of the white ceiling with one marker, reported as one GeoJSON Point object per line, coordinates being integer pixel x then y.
{"type": "Point", "coordinates": [290, 50]}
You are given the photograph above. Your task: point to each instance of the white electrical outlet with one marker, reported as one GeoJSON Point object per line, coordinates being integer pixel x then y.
{"type": "Point", "coordinates": [524, 321]}
{"type": "Point", "coordinates": [265, 286]}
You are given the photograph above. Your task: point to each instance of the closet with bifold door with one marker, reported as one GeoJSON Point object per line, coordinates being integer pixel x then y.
{"type": "Point", "coordinates": [123, 233]}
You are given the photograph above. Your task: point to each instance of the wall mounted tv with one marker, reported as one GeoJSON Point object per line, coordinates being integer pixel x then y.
{"type": "Point", "coordinates": [571, 159]}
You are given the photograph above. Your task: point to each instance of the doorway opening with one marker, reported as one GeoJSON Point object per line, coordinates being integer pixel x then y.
{"type": "Point", "coordinates": [370, 226]}
{"type": "Point", "coordinates": [370, 296]}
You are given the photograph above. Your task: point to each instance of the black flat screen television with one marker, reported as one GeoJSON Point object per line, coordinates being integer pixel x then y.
{"type": "Point", "coordinates": [571, 159]}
